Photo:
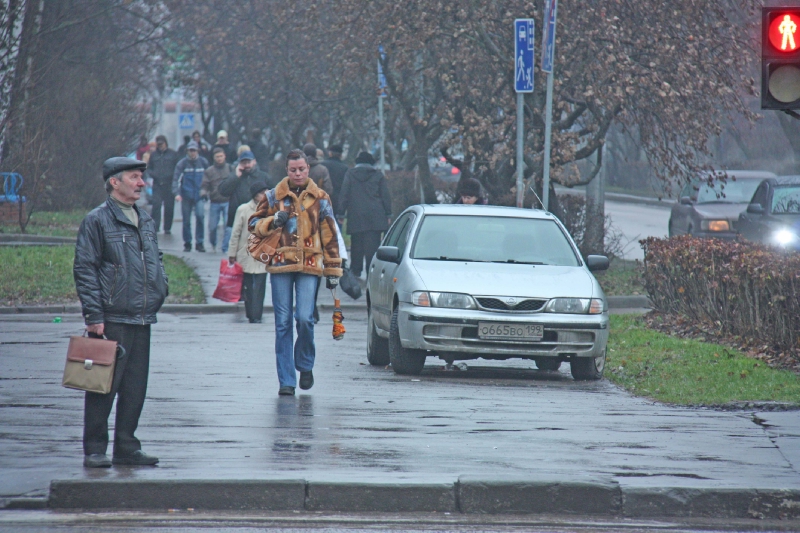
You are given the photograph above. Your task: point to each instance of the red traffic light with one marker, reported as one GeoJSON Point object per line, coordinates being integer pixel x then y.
{"type": "Point", "coordinates": [783, 32]}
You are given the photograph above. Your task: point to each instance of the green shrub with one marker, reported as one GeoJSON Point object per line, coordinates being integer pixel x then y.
{"type": "Point", "coordinates": [745, 289]}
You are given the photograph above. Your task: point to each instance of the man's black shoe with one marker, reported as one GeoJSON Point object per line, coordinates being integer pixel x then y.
{"type": "Point", "coordinates": [187, 247]}
{"type": "Point", "coordinates": [167, 232]}
{"type": "Point", "coordinates": [199, 247]}
{"type": "Point", "coordinates": [306, 380]}
{"type": "Point", "coordinates": [286, 390]}
{"type": "Point", "coordinates": [137, 458]}
{"type": "Point", "coordinates": [96, 460]}
{"type": "Point", "coordinates": [255, 321]}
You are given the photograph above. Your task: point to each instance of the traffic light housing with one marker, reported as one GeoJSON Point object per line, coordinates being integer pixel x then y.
{"type": "Point", "coordinates": [780, 58]}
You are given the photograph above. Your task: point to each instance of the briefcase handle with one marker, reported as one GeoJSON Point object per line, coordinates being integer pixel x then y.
{"type": "Point", "coordinates": [120, 350]}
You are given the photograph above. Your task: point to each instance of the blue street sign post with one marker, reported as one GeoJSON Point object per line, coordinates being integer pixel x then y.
{"type": "Point", "coordinates": [548, 60]}
{"type": "Point", "coordinates": [523, 83]}
{"type": "Point", "coordinates": [186, 121]}
{"type": "Point", "coordinates": [381, 96]}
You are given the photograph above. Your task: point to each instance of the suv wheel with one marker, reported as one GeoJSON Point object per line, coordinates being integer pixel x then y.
{"type": "Point", "coordinates": [377, 347]}
{"type": "Point", "coordinates": [404, 360]}
{"type": "Point", "coordinates": [588, 368]}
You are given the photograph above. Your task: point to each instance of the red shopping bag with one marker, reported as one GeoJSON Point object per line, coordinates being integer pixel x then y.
{"type": "Point", "coordinates": [229, 287]}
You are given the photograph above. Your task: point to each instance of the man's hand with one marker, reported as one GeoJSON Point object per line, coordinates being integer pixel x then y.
{"type": "Point", "coordinates": [331, 282]}
{"type": "Point", "coordinates": [280, 219]}
{"type": "Point", "coordinates": [178, 198]}
{"type": "Point", "coordinates": [96, 329]}
{"type": "Point", "coordinates": [239, 171]}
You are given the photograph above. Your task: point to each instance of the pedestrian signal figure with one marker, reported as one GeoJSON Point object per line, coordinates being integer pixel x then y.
{"type": "Point", "coordinates": [788, 29]}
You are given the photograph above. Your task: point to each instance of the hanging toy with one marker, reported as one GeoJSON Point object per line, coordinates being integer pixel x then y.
{"type": "Point", "coordinates": [338, 318]}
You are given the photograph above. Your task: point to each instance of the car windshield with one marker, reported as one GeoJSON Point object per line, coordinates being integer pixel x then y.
{"type": "Point", "coordinates": [786, 200]}
{"type": "Point", "coordinates": [493, 239]}
{"type": "Point", "coordinates": [735, 192]}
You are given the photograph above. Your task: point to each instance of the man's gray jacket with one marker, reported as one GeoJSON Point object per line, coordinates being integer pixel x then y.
{"type": "Point", "coordinates": [118, 270]}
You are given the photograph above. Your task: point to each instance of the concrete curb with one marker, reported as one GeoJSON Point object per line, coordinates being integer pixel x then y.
{"type": "Point", "coordinates": [466, 495]}
{"type": "Point", "coordinates": [17, 239]}
{"type": "Point", "coordinates": [614, 302]}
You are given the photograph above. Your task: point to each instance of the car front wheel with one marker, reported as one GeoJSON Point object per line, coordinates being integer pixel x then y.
{"type": "Point", "coordinates": [404, 360]}
{"type": "Point", "coordinates": [587, 368]}
{"type": "Point", "coordinates": [377, 347]}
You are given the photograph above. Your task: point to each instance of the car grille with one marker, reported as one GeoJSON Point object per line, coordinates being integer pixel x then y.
{"type": "Point", "coordinates": [495, 304]}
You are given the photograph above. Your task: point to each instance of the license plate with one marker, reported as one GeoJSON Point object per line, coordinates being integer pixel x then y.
{"type": "Point", "coordinates": [496, 330]}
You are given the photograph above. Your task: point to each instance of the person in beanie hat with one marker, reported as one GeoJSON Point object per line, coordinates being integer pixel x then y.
{"type": "Point", "coordinates": [121, 283]}
{"type": "Point", "coordinates": [254, 285]}
{"type": "Point", "coordinates": [367, 204]}
{"type": "Point", "coordinates": [222, 142]}
{"type": "Point", "coordinates": [161, 168]}
{"type": "Point", "coordinates": [317, 172]}
{"type": "Point", "coordinates": [336, 170]}
{"type": "Point", "coordinates": [470, 191]}
{"type": "Point", "coordinates": [186, 185]}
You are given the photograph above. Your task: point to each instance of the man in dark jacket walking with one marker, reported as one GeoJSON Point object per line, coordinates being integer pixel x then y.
{"type": "Point", "coordinates": [367, 204]}
{"type": "Point", "coordinates": [336, 170]}
{"type": "Point", "coordinates": [212, 178]}
{"type": "Point", "coordinates": [161, 168]}
{"type": "Point", "coordinates": [317, 172]}
{"type": "Point", "coordinates": [121, 283]}
{"type": "Point", "coordinates": [186, 182]}
{"type": "Point", "coordinates": [237, 188]}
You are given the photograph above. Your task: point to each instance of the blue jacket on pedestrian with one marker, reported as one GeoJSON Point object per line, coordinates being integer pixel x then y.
{"type": "Point", "coordinates": [188, 177]}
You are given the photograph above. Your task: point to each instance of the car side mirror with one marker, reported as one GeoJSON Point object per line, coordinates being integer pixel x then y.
{"type": "Point", "coordinates": [686, 200]}
{"type": "Point", "coordinates": [390, 254]}
{"type": "Point", "coordinates": [755, 209]}
{"type": "Point", "coordinates": [596, 263]}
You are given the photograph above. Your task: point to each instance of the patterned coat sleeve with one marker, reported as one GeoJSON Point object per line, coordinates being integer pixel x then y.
{"type": "Point", "coordinates": [331, 261]}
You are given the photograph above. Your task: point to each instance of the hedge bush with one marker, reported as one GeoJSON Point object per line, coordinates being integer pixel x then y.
{"type": "Point", "coordinates": [745, 289]}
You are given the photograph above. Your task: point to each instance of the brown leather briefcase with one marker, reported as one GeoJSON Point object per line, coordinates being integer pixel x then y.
{"type": "Point", "coordinates": [90, 364]}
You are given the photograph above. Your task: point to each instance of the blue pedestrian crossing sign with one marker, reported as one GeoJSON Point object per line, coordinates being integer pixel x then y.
{"type": "Point", "coordinates": [523, 55]}
{"type": "Point", "coordinates": [186, 121]}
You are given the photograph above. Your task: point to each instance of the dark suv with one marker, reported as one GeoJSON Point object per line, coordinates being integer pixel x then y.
{"type": "Point", "coordinates": [773, 216]}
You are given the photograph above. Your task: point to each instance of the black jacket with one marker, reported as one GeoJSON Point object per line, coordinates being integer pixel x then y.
{"type": "Point", "coordinates": [365, 199]}
{"type": "Point", "coordinates": [336, 170]}
{"type": "Point", "coordinates": [161, 167]}
{"type": "Point", "coordinates": [119, 274]}
{"type": "Point", "coordinates": [238, 190]}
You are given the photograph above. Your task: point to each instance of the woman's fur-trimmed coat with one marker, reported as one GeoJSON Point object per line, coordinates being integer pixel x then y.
{"type": "Point", "coordinates": [308, 241]}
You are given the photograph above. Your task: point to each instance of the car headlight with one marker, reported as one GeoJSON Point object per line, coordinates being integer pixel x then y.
{"type": "Point", "coordinates": [715, 225]}
{"type": "Point", "coordinates": [577, 306]}
{"type": "Point", "coordinates": [784, 237]}
{"type": "Point", "coordinates": [450, 300]}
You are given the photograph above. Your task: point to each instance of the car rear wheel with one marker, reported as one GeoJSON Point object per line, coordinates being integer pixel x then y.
{"type": "Point", "coordinates": [587, 368]}
{"type": "Point", "coordinates": [404, 360]}
{"type": "Point", "coordinates": [548, 363]}
{"type": "Point", "coordinates": [670, 231]}
{"type": "Point", "coordinates": [377, 347]}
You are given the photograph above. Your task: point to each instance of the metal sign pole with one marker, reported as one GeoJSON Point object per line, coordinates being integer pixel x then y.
{"type": "Point", "coordinates": [523, 83]}
{"type": "Point", "coordinates": [380, 133]}
{"type": "Point", "coordinates": [381, 96]}
{"type": "Point", "coordinates": [520, 146]}
{"type": "Point", "coordinates": [548, 59]}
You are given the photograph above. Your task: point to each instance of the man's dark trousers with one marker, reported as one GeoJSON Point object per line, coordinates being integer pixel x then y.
{"type": "Point", "coordinates": [162, 194]}
{"type": "Point", "coordinates": [363, 245]}
{"type": "Point", "coordinates": [130, 386]}
{"type": "Point", "coordinates": [254, 288]}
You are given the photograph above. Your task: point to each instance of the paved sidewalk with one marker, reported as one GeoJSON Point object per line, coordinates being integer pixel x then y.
{"type": "Point", "coordinates": [500, 437]}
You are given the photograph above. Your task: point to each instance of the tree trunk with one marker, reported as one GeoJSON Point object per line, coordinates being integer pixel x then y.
{"type": "Point", "coordinates": [594, 235]}
{"type": "Point", "coordinates": [421, 147]}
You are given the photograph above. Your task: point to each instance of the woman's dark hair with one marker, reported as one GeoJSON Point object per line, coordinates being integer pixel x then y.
{"type": "Point", "coordinates": [295, 155]}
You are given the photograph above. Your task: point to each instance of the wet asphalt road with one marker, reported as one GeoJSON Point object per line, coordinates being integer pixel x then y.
{"type": "Point", "coordinates": [213, 413]}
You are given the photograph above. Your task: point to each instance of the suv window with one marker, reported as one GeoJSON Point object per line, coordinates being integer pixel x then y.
{"type": "Point", "coordinates": [760, 196]}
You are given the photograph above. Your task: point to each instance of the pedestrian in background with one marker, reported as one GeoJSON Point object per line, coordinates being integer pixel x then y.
{"type": "Point", "coordinates": [470, 192]}
{"type": "Point", "coordinates": [317, 172]}
{"type": "Point", "coordinates": [143, 147]}
{"type": "Point", "coordinates": [366, 202]}
{"type": "Point", "coordinates": [218, 211]}
{"type": "Point", "coordinates": [121, 283]}
{"type": "Point", "coordinates": [237, 187]}
{"type": "Point", "coordinates": [222, 142]}
{"type": "Point", "coordinates": [254, 286]}
{"type": "Point", "coordinates": [336, 170]}
{"type": "Point", "coordinates": [258, 148]}
{"type": "Point", "coordinates": [161, 169]}
{"type": "Point", "coordinates": [186, 182]}
{"type": "Point", "coordinates": [204, 149]}
{"type": "Point", "coordinates": [300, 214]}
{"type": "Point", "coordinates": [182, 148]}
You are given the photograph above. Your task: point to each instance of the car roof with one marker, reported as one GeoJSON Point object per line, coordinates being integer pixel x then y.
{"type": "Point", "coordinates": [741, 174]}
{"type": "Point", "coordinates": [484, 210]}
{"type": "Point", "coordinates": [787, 180]}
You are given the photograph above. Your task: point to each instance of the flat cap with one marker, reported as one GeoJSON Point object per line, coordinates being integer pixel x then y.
{"type": "Point", "coordinates": [115, 165]}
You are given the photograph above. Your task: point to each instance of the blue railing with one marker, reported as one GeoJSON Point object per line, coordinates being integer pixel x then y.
{"type": "Point", "coordinates": [12, 183]}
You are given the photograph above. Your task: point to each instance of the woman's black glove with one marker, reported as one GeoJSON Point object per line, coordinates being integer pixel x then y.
{"type": "Point", "coordinates": [280, 219]}
{"type": "Point", "coordinates": [331, 282]}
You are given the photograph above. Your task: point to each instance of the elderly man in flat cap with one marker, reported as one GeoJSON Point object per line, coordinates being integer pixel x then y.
{"type": "Point", "coordinates": [121, 282]}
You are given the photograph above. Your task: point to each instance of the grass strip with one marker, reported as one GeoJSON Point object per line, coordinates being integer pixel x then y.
{"type": "Point", "coordinates": [37, 275]}
{"type": "Point", "coordinates": [623, 278]}
{"type": "Point", "coordinates": [50, 223]}
{"type": "Point", "coordinates": [689, 372]}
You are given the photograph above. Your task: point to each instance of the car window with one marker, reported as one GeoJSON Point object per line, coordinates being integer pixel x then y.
{"type": "Point", "coordinates": [394, 232]}
{"type": "Point", "coordinates": [760, 196]}
{"type": "Point", "coordinates": [689, 190]}
{"type": "Point", "coordinates": [786, 200]}
{"type": "Point", "coordinates": [405, 231]}
{"type": "Point", "coordinates": [493, 239]}
{"type": "Point", "coordinates": [730, 191]}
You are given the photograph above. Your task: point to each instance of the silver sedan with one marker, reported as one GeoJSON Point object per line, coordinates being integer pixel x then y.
{"type": "Point", "coordinates": [466, 282]}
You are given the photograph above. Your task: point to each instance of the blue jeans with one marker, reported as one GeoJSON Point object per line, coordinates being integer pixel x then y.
{"type": "Point", "coordinates": [199, 208]}
{"type": "Point", "coordinates": [301, 358]}
{"type": "Point", "coordinates": [219, 210]}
